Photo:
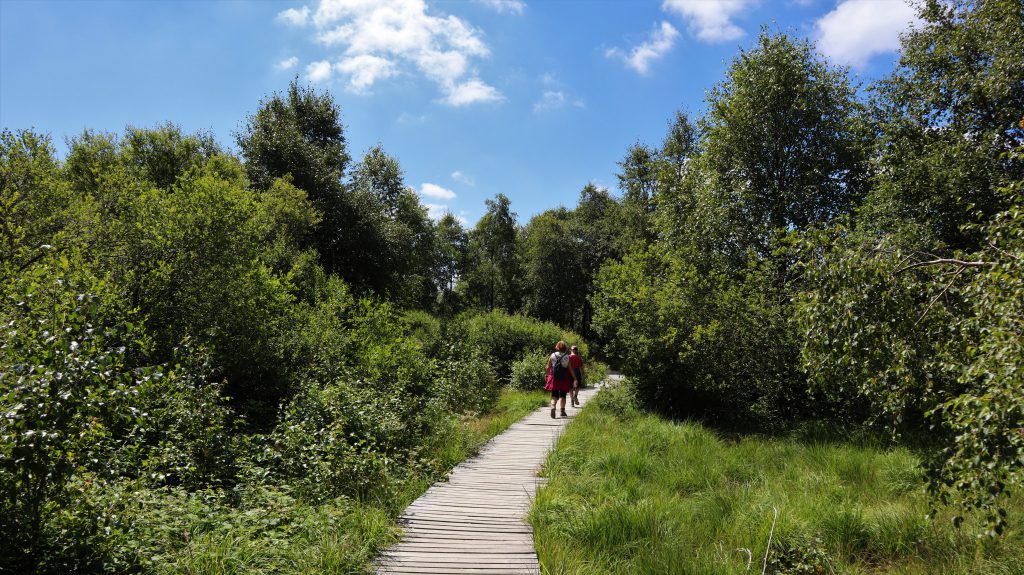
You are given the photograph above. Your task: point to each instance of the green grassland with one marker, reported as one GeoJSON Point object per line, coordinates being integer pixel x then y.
{"type": "Point", "coordinates": [634, 493]}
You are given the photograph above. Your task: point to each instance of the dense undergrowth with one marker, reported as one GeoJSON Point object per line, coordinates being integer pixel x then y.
{"type": "Point", "coordinates": [192, 379]}
{"type": "Point", "coordinates": [631, 492]}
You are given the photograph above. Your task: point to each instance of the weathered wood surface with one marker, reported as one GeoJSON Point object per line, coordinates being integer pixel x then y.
{"type": "Point", "coordinates": [474, 523]}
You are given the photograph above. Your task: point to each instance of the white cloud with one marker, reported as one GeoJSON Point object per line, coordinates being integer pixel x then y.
{"type": "Point", "coordinates": [293, 17]}
{"type": "Point", "coordinates": [710, 20]}
{"type": "Point", "coordinates": [318, 71]}
{"type": "Point", "coordinates": [363, 70]}
{"type": "Point", "coordinates": [859, 29]}
{"type": "Point", "coordinates": [471, 92]}
{"type": "Point", "coordinates": [377, 39]}
{"type": "Point", "coordinates": [640, 57]}
{"type": "Point", "coordinates": [407, 118]}
{"type": "Point", "coordinates": [436, 191]}
{"type": "Point", "coordinates": [463, 178]}
{"type": "Point", "coordinates": [505, 6]}
{"type": "Point", "coordinates": [287, 64]}
{"type": "Point", "coordinates": [549, 101]}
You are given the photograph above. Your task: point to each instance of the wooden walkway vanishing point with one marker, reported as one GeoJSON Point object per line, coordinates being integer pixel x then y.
{"type": "Point", "coordinates": [475, 522]}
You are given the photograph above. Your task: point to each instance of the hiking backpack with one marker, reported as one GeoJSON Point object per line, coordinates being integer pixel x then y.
{"type": "Point", "coordinates": [560, 365]}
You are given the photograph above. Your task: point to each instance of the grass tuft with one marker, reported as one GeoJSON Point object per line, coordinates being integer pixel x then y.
{"type": "Point", "coordinates": [629, 492]}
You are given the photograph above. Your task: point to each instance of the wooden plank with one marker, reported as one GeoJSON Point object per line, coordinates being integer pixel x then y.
{"type": "Point", "coordinates": [474, 522]}
{"type": "Point", "coordinates": [412, 556]}
{"type": "Point", "coordinates": [490, 564]}
{"type": "Point", "coordinates": [525, 570]}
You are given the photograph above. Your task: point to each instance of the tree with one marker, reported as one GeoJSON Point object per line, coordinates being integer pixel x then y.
{"type": "Point", "coordinates": [395, 234]}
{"type": "Point", "coordinates": [451, 250]}
{"type": "Point", "coordinates": [639, 185]}
{"type": "Point", "coordinates": [381, 176]}
{"type": "Point", "coordinates": [595, 227]}
{"type": "Point", "coordinates": [700, 315]}
{"type": "Point", "coordinates": [946, 118]}
{"type": "Point", "coordinates": [912, 340]}
{"type": "Point", "coordinates": [493, 276]}
{"type": "Point", "coordinates": [678, 147]}
{"type": "Point", "coordinates": [299, 134]}
{"type": "Point", "coordinates": [552, 270]}
{"type": "Point", "coordinates": [915, 308]}
{"type": "Point", "coordinates": [163, 154]}
{"type": "Point", "coordinates": [33, 199]}
{"type": "Point", "coordinates": [781, 138]}
{"type": "Point", "coordinates": [413, 239]}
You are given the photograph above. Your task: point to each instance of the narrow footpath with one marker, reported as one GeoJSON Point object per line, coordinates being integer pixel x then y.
{"type": "Point", "coordinates": [476, 521]}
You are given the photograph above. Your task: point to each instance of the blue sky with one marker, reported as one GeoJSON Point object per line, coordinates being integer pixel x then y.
{"type": "Point", "coordinates": [529, 98]}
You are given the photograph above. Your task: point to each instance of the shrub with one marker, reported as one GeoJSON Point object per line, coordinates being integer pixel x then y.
{"type": "Point", "coordinates": [465, 384]}
{"type": "Point", "coordinates": [66, 377]}
{"type": "Point", "coordinates": [426, 329]}
{"type": "Point", "coordinates": [528, 372]}
{"type": "Point", "coordinates": [81, 408]}
{"type": "Point", "coordinates": [619, 399]}
{"type": "Point", "coordinates": [595, 371]}
{"type": "Point", "coordinates": [185, 425]}
{"type": "Point", "coordinates": [366, 401]}
{"type": "Point", "coordinates": [504, 338]}
{"type": "Point", "coordinates": [701, 343]}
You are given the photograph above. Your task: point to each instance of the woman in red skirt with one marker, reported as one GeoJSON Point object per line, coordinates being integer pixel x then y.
{"type": "Point", "coordinates": [559, 377]}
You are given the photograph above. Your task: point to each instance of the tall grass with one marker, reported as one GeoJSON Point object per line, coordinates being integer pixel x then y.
{"type": "Point", "coordinates": [633, 493]}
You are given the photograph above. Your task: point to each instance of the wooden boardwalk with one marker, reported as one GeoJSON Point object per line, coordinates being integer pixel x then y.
{"type": "Point", "coordinates": [475, 522]}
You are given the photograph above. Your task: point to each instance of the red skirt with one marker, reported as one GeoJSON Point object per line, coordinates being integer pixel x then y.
{"type": "Point", "coordinates": [553, 384]}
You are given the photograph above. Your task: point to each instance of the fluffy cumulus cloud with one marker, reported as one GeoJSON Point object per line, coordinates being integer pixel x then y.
{"type": "Point", "coordinates": [436, 191]}
{"type": "Point", "coordinates": [857, 30]}
{"type": "Point", "coordinates": [471, 92]}
{"type": "Point", "coordinates": [640, 57]}
{"type": "Point", "coordinates": [505, 6]}
{"type": "Point", "coordinates": [377, 39]}
{"type": "Point", "coordinates": [319, 71]}
{"type": "Point", "coordinates": [363, 70]}
{"type": "Point", "coordinates": [287, 63]}
{"type": "Point", "coordinates": [294, 16]}
{"type": "Point", "coordinates": [710, 20]}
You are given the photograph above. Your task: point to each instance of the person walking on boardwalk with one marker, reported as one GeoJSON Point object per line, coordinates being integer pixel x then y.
{"type": "Point", "coordinates": [576, 365]}
{"type": "Point", "coordinates": [560, 378]}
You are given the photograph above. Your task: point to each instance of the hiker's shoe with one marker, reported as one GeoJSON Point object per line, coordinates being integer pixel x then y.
{"type": "Point", "coordinates": [564, 414]}
{"type": "Point", "coordinates": [552, 413]}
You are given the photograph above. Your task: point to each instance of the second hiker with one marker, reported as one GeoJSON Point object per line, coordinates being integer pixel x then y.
{"type": "Point", "coordinates": [576, 365]}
